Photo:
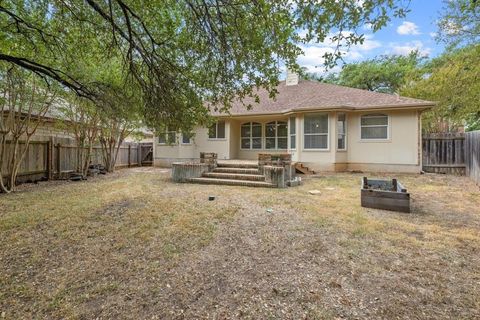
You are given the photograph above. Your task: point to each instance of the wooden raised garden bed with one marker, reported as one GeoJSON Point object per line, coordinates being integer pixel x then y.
{"type": "Point", "coordinates": [385, 194]}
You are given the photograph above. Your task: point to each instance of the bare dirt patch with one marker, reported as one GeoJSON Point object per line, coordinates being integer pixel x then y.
{"type": "Point", "coordinates": [133, 245]}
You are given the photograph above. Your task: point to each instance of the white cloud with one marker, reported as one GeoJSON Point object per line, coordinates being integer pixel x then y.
{"type": "Point", "coordinates": [433, 34]}
{"type": "Point", "coordinates": [353, 55]}
{"type": "Point", "coordinates": [313, 60]}
{"type": "Point", "coordinates": [406, 48]}
{"type": "Point", "coordinates": [367, 27]}
{"type": "Point", "coordinates": [368, 44]}
{"type": "Point", "coordinates": [408, 28]}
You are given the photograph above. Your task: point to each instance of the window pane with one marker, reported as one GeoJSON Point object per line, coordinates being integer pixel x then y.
{"type": "Point", "coordinates": [171, 137]}
{"type": "Point", "coordinates": [341, 142]}
{"type": "Point", "coordinates": [246, 130]}
{"type": "Point", "coordinates": [374, 120]}
{"type": "Point", "coordinates": [221, 130]}
{"type": "Point", "coordinates": [212, 131]}
{"type": "Point", "coordinates": [257, 143]}
{"type": "Point", "coordinates": [282, 129]}
{"type": "Point", "coordinates": [162, 138]}
{"type": "Point", "coordinates": [316, 142]}
{"type": "Point", "coordinates": [292, 125]}
{"type": "Point", "coordinates": [293, 142]}
{"type": "Point", "coordinates": [186, 137]}
{"type": "Point", "coordinates": [256, 130]}
{"type": "Point", "coordinates": [341, 124]}
{"type": "Point", "coordinates": [282, 143]}
{"type": "Point", "coordinates": [341, 127]}
{"type": "Point", "coordinates": [246, 143]}
{"type": "Point", "coordinates": [316, 123]}
{"type": "Point", "coordinates": [270, 143]}
{"type": "Point", "coordinates": [270, 129]}
{"type": "Point", "coordinates": [374, 132]}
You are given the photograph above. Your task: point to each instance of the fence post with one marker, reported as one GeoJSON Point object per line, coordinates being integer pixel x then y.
{"type": "Point", "coordinates": [50, 158]}
{"type": "Point", "coordinates": [139, 154]}
{"type": "Point", "coordinates": [129, 155]}
{"type": "Point", "coordinates": [58, 159]}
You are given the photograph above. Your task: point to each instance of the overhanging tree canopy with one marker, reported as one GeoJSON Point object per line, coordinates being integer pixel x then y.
{"type": "Point", "coordinates": [178, 54]}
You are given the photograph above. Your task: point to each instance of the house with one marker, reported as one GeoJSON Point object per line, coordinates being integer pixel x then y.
{"type": "Point", "coordinates": [323, 126]}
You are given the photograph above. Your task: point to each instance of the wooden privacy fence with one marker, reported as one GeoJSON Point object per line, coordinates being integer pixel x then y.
{"type": "Point", "coordinates": [472, 155]}
{"type": "Point", "coordinates": [444, 153]}
{"type": "Point", "coordinates": [53, 158]}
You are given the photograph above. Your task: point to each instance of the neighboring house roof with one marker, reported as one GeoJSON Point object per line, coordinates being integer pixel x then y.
{"type": "Point", "coordinates": [313, 95]}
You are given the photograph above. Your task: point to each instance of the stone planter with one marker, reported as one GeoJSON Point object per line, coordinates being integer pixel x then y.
{"type": "Point", "coordinates": [275, 175]}
{"type": "Point", "coordinates": [183, 171]}
{"type": "Point", "coordinates": [209, 158]}
{"type": "Point", "coordinates": [272, 165]}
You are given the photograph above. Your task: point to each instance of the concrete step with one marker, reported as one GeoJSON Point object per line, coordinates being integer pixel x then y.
{"type": "Point", "coordinates": [236, 170]}
{"type": "Point", "coordinates": [252, 165]}
{"type": "Point", "coordinates": [234, 176]}
{"type": "Point", "coordinates": [231, 182]}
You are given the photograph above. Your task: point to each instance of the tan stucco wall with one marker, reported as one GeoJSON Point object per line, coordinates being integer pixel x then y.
{"type": "Point", "coordinates": [164, 155]}
{"type": "Point", "coordinates": [319, 160]}
{"type": "Point", "coordinates": [401, 148]}
{"type": "Point", "coordinates": [399, 153]}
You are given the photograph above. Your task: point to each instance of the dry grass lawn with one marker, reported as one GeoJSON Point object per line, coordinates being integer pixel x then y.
{"type": "Point", "coordinates": [134, 245]}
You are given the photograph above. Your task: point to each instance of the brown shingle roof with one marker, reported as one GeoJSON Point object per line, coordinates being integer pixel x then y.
{"type": "Point", "coordinates": [314, 95]}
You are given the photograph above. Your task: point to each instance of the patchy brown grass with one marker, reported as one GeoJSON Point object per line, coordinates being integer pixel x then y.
{"type": "Point", "coordinates": [134, 245]}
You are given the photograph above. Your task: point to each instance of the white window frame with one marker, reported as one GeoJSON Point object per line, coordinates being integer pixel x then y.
{"type": "Point", "coordinates": [317, 134]}
{"type": "Point", "coordinates": [290, 134]}
{"type": "Point", "coordinates": [216, 131]}
{"type": "Point", "coordinates": [276, 135]}
{"type": "Point", "coordinates": [344, 133]}
{"type": "Point", "coordinates": [251, 136]}
{"type": "Point", "coordinates": [374, 115]}
{"type": "Point", "coordinates": [166, 134]}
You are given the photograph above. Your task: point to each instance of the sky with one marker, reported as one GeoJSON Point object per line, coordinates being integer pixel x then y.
{"type": "Point", "coordinates": [400, 36]}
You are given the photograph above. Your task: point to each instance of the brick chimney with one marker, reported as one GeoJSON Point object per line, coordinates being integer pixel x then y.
{"type": "Point", "coordinates": [292, 78]}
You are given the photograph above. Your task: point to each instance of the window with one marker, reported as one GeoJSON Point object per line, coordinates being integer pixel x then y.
{"type": "Point", "coordinates": [187, 138]}
{"type": "Point", "coordinates": [341, 132]}
{"type": "Point", "coordinates": [217, 130]}
{"type": "Point", "coordinates": [316, 131]}
{"type": "Point", "coordinates": [251, 133]}
{"type": "Point", "coordinates": [167, 137]}
{"type": "Point", "coordinates": [374, 126]}
{"type": "Point", "coordinates": [276, 133]}
{"type": "Point", "coordinates": [293, 133]}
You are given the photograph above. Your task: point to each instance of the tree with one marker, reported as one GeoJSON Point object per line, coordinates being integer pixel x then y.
{"type": "Point", "coordinates": [453, 80]}
{"type": "Point", "coordinates": [83, 120]}
{"type": "Point", "coordinates": [179, 53]}
{"type": "Point", "coordinates": [459, 23]}
{"type": "Point", "coordinates": [119, 118]}
{"type": "Point", "coordinates": [387, 73]}
{"type": "Point", "coordinates": [24, 101]}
